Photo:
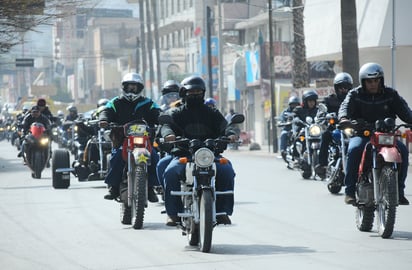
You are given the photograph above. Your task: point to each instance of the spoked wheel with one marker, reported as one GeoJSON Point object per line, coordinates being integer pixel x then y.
{"type": "Point", "coordinates": [335, 180]}
{"type": "Point", "coordinates": [139, 195]}
{"type": "Point", "coordinates": [387, 202]}
{"type": "Point", "coordinates": [206, 221]}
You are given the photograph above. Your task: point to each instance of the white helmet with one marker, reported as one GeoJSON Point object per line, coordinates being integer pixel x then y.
{"type": "Point", "coordinates": [132, 78]}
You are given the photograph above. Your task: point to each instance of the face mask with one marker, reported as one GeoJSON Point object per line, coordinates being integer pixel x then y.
{"type": "Point", "coordinates": [194, 100]}
{"type": "Point", "coordinates": [131, 96]}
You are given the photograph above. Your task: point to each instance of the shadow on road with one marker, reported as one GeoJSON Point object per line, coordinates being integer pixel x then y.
{"type": "Point", "coordinates": [255, 249]}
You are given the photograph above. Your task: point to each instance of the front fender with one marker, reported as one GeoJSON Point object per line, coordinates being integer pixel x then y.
{"type": "Point", "coordinates": [141, 155]}
{"type": "Point", "coordinates": [390, 154]}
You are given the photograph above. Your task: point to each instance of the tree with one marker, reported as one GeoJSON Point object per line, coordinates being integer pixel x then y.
{"type": "Point", "coordinates": [20, 16]}
{"type": "Point", "coordinates": [350, 50]}
{"type": "Point", "coordinates": [300, 65]}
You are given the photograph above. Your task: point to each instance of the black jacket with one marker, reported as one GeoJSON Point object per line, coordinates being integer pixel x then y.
{"type": "Point", "coordinates": [121, 111]}
{"type": "Point", "coordinates": [200, 123]}
{"type": "Point", "coordinates": [333, 103]}
{"type": "Point", "coordinates": [359, 104]}
{"type": "Point", "coordinates": [29, 119]}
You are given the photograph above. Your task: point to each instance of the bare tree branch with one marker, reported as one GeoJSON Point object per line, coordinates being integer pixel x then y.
{"type": "Point", "coordinates": [20, 16]}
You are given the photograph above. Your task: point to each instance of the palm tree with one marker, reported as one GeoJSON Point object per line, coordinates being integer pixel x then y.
{"type": "Point", "coordinates": [300, 65]}
{"type": "Point", "coordinates": [350, 50]}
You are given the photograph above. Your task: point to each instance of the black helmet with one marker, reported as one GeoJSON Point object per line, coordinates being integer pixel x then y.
{"type": "Point", "coordinates": [102, 102]}
{"type": "Point", "coordinates": [170, 86]}
{"type": "Point", "coordinates": [343, 78]}
{"type": "Point", "coordinates": [294, 100]}
{"type": "Point", "coordinates": [342, 81]}
{"type": "Point", "coordinates": [371, 71]}
{"type": "Point", "coordinates": [309, 95]}
{"type": "Point", "coordinates": [132, 78]}
{"type": "Point", "coordinates": [192, 82]}
{"type": "Point", "coordinates": [72, 109]}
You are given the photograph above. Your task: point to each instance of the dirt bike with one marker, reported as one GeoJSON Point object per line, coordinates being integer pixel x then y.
{"type": "Point", "coordinates": [136, 151]}
{"type": "Point", "coordinates": [198, 192]}
{"type": "Point", "coordinates": [36, 149]}
{"type": "Point", "coordinates": [377, 185]}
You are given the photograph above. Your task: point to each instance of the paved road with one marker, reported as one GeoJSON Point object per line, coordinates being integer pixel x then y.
{"type": "Point", "coordinates": [280, 222]}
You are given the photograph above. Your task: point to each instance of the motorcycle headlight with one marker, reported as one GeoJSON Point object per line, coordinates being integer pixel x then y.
{"type": "Point", "coordinates": [386, 139]}
{"type": "Point", "coordinates": [348, 132]}
{"type": "Point", "coordinates": [204, 157]}
{"type": "Point", "coordinates": [44, 141]}
{"type": "Point", "coordinates": [314, 130]}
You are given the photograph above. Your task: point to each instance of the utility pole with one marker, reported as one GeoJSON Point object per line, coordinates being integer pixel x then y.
{"type": "Point", "coordinates": [142, 41]}
{"type": "Point", "coordinates": [222, 93]}
{"type": "Point", "coordinates": [209, 50]}
{"type": "Point", "coordinates": [150, 47]}
{"type": "Point", "coordinates": [157, 45]}
{"type": "Point", "coordinates": [272, 83]}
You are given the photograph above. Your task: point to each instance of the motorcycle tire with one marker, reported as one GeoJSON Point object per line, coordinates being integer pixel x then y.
{"type": "Point", "coordinates": [364, 218]}
{"type": "Point", "coordinates": [386, 205]}
{"type": "Point", "coordinates": [194, 234]}
{"type": "Point", "coordinates": [206, 220]}
{"type": "Point", "coordinates": [37, 165]}
{"type": "Point", "coordinates": [125, 214]}
{"type": "Point", "coordinates": [139, 195]}
{"type": "Point", "coordinates": [60, 159]}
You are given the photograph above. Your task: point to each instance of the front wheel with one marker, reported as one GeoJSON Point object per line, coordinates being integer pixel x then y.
{"type": "Point", "coordinates": [37, 165]}
{"type": "Point", "coordinates": [139, 195]}
{"type": "Point", "coordinates": [206, 220]}
{"type": "Point", "coordinates": [386, 201]}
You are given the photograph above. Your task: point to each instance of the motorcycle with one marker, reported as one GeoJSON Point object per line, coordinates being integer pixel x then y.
{"type": "Point", "coordinates": [136, 151]}
{"type": "Point", "coordinates": [335, 172]}
{"type": "Point", "coordinates": [90, 162]}
{"type": "Point", "coordinates": [36, 149]}
{"type": "Point", "coordinates": [198, 191]}
{"type": "Point", "coordinates": [377, 185]}
{"type": "Point", "coordinates": [307, 142]}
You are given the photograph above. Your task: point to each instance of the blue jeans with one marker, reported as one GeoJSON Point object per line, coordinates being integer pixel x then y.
{"type": "Point", "coordinates": [161, 167]}
{"type": "Point", "coordinates": [115, 173]}
{"type": "Point", "coordinates": [225, 180]}
{"type": "Point", "coordinates": [284, 137]}
{"type": "Point", "coordinates": [355, 149]}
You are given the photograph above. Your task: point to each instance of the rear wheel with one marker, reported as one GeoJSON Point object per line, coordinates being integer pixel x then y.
{"type": "Point", "coordinates": [126, 214]}
{"type": "Point", "coordinates": [364, 218]}
{"type": "Point", "coordinates": [60, 159]}
{"type": "Point", "coordinates": [387, 201]}
{"type": "Point", "coordinates": [206, 220]}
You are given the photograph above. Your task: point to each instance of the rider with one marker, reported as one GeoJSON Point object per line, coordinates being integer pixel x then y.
{"type": "Point", "coordinates": [170, 94]}
{"type": "Point", "coordinates": [342, 83]}
{"type": "Point", "coordinates": [293, 102]}
{"type": "Point", "coordinates": [129, 106]}
{"type": "Point", "coordinates": [101, 104]}
{"type": "Point", "coordinates": [308, 107]}
{"type": "Point", "coordinates": [73, 115]}
{"type": "Point", "coordinates": [44, 109]}
{"type": "Point", "coordinates": [211, 102]}
{"type": "Point", "coordinates": [195, 120]}
{"type": "Point", "coordinates": [34, 116]}
{"type": "Point", "coordinates": [372, 101]}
